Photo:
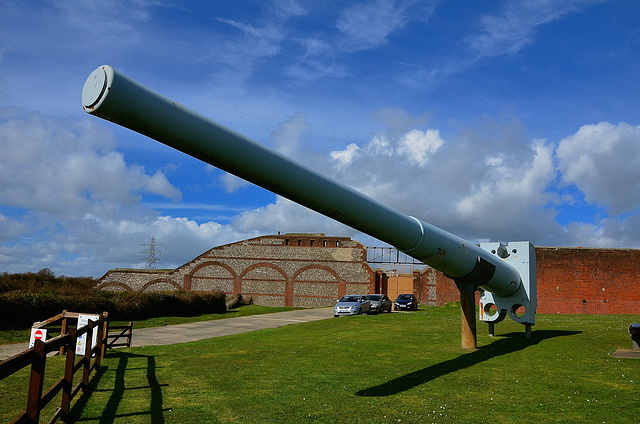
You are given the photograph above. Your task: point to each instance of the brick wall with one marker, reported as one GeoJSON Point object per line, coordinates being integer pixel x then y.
{"type": "Point", "coordinates": [585, 280]}
{"type": "Point", "coordinates": [576, 281]}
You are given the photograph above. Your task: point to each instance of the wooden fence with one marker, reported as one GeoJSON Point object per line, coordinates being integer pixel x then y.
{"type": "Point", "coordinates": [63, 329]}
{"type": "Point", "coordinates": [65, 343]}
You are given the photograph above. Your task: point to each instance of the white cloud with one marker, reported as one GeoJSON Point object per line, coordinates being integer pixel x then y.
{"type": "Point", "coordinates": [185, 239]}
{"type": "Point", "coordinates": [58, 169]}
{"type": "Point", "coordinates": [57, 179]}
{"type": "Point", "coordinates": [510, 190]}
{"type": "Point", "coordinates": [607, 232]}
{"type": "Point", "coordinates": [12, 228]}
{"type": "Point", "coordinates": [118, 243]}
{"type": "Point", "coordinates": [346, 156]}
{"type": "Point", "coordinates": [290, 136]}
{"type": "Point", "coordinates": [312, 69]}
{"type": "Point", "coordinates": [313, 46]}
{"type": "Point", "coordinates": [418, 146]}
{"type": "Point", "coordinates": [286, 216]}
{"type": "Point", "coordinates": [514, 26]}
{"type": "Point", "coordinates": [367, 25]}
{"type": "Point", "coordinates": [287, 8]}
{"type": "Point", "coordinates": [116, 20]}
{"type": "Point", "coordinates": [231, 183]}
{"type": "Point", "coordinates": [258, 33]}
{"type": "Point", "coordinates": [398, 121]}
{"type": "Point", "coordinates": [241, 54]}
{"type": "Point", "coordinates": [603, 161]}
{"type": "Point", "coordinates": [485, 183]}
{"type": "Point", "coordinates": [380, 145]}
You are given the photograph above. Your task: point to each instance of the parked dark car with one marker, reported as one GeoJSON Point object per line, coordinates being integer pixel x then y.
{"type": "Point", "coordinates": [379, 302]}
{"type": "Point", "coordinates": [406, 301]}
{"type": "Point", "coordinates": [352, 304]}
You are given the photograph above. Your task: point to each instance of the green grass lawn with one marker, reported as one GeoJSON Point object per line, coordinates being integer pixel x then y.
{"type": "Point", "coordinates": [388, 368]}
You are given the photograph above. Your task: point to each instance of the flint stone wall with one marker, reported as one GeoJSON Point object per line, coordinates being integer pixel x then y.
{"type": "Point", "coordinates": [281, 270]}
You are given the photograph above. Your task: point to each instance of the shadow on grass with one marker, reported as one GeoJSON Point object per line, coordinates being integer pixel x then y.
{"type": "Point", "coordinates": [109, 414]}
{"type": "Point", "coordinates": [507, 343]}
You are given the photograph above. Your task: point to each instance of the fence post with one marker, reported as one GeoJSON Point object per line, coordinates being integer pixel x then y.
{"type": "Point", "coordinates": [63, 329]}
{"type": "Point", "coordinates": [70, 348]}
{"type": "Point", "coordinates": [105, 334]}
{"type": "Point", "coordinates": [99, 341]}
{"type": "Point", "coordinates": [87, 355]}
{"type": "Point", "coordinates": [130, 334]}
{"type": "Point", "coordinates": [35, 383]}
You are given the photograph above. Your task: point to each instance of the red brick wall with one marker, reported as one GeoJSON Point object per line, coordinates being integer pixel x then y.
{"type": "Point", "coordinates": [446, 290]}
{"type": "Point", "coordinates": [584, 280]}
{"type": "Point", "coordinates": [577, 281]}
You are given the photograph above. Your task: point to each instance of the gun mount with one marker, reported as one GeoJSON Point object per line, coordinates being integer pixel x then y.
{"type": "Point", "coordinates": [504, 273]}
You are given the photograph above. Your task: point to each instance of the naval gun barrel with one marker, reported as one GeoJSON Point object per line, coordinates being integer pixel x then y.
{"type": "Point", "coordinates": [113, 96]}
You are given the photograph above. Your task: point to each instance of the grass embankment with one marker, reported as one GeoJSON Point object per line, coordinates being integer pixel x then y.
{"type": "Point", "coordinates": [401, 367]}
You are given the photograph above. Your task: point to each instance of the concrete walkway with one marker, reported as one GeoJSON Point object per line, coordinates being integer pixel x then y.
{"type": "Point", "coordinates": [172, 334]}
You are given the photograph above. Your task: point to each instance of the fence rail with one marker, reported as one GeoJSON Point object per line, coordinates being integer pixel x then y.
{"type": "Point", "coordinates": [65, 343]}
{"type": "Point", "coordinates": [126, 333]}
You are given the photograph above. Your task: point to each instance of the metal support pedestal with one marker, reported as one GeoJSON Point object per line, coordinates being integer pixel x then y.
{"type": "Point", "coordinates": [468, 314]}
{"type": "Point", "coordinates": [492, 329]}
{"type": "Point", "coordinates": [527, 330]}
{"type": "Point", "coordinates": [634, 331]}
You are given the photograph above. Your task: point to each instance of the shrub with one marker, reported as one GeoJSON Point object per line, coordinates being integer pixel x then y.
{"type": "Point", "coordinates": [236, 300]}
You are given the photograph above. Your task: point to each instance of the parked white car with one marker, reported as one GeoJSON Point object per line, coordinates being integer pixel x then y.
{"type": "Point", "coordinates": [352, 304]}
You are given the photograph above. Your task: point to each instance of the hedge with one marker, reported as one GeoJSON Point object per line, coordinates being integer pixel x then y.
{"type": "Point", "coordinates": [22, 309]}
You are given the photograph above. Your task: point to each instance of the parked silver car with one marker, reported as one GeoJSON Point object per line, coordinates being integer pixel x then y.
{"type": "Point", "coordinates": [379, 302]}
{"type": "Point", "coordinates": [352, 304]}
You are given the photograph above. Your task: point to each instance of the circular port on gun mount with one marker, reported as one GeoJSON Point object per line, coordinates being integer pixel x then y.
{"type": "Point", "coordinates": [490, 309]}
{"type": "Point", "coordinates": [518, 310]}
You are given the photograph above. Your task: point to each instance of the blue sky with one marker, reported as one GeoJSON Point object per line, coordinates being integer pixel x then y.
{"type": "Point", "coordinates": [494, 120]}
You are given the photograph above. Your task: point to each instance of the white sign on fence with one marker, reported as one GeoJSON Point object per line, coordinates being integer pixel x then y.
{"type": "Point", "coordinates": [37, 334]}
{"type": "Point", "coordinates": [82, 340]}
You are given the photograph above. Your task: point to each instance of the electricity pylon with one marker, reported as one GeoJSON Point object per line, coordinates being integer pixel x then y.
{"type": "Point", "coordinates": [152, 253]}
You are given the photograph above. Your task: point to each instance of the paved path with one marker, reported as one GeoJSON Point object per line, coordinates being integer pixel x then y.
{"type": "Point", "coordinates": [181, 333]}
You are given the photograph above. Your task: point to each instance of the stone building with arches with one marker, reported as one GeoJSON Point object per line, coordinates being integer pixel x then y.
{"type": "Point", "coordinates": [304, 270]}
